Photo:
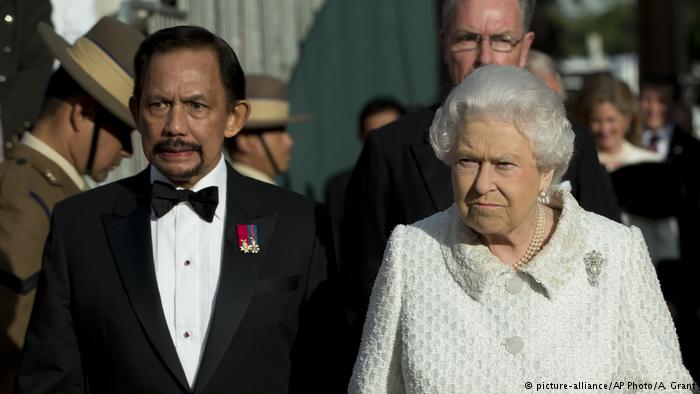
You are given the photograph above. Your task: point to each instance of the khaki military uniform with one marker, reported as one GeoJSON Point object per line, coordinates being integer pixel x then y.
{"type": "Point", "coordinates": [30, 185]}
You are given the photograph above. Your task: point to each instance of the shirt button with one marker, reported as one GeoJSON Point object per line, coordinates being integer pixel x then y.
{"type": "Point", "coordinates": [9, 18]}
{"type": "Point", "coordinates": [514, 284]}
{"type": "Point", "coordinates": [514, 345]}
{"type": "Point", "coordinates": [9, 145]}
{"type": "Point", "coordinates": [187, 263]}
{"type": "Point", "coordinates": [187, 334]}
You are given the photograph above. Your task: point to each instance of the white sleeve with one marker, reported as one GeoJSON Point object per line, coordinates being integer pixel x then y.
{"type": "Point", "coordinates": [378, 365]}
{"type": "Point", "coordinates": [651, 351]}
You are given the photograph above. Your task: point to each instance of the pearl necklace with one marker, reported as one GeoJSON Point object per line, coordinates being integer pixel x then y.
{"type": "Point", "coordinates": [536, 242]}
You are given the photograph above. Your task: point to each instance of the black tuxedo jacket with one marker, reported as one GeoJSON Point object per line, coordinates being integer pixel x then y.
{"type": "Point", "coordinates": [98, 321]}
{"type": "Point", "coordinates": [399, 180]}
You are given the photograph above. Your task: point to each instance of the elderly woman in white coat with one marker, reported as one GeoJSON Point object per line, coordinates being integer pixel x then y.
{"type": "Point", "coordinates": [514, 285]}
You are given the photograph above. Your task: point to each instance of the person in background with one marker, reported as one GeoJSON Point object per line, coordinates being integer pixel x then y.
{"type": "Point", "coordinates": [263, 149]}
{"type": "Point", "coordinates": [659, 97]}
{"type": "Point", "coordinates": [514, 282]}
{"type": "Point", "coordinates": [84, 129]}
{"type": "Point", "coordinates": [376, 113]}
{"type": "Point", "coordinates": [540, 64]}
{"type": "Point", "coordinates": [610, 110]}
{"type": "Point", "coordinates": [25, 65]}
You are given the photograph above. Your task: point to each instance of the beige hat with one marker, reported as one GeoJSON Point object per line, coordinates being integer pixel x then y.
{"type": "Point", "coordinates": [269, 104]}
{"type": "Point", "coordinates": [101, 62]}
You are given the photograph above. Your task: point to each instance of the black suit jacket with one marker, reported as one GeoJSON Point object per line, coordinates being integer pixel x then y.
{"type": "Point", "coordinates": [684, 155]}
{"type": "Point", "coordinates": [399, 180]}
{"type": "Point", "coordinates": [98, 320]}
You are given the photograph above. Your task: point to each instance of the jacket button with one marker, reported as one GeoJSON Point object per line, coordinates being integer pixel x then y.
{"type": "Point", "coordinates": [3, 78]}
{"type": "Point", "coordinates": [9, 18]}
{"type": "Point", "coordinates": [514, 345]}
{"type": "Point", "coordinates": [7, 49]}
{"type": "Point", "coordinates": [514, 284]}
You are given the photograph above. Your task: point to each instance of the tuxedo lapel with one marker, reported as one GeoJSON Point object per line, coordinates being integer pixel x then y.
{"type": "Point", "coordinates": [129, 235]}
{"type": "Point", "coordinates": [435, 174]}
{"type": "Point", "coordinates": [239, 271]}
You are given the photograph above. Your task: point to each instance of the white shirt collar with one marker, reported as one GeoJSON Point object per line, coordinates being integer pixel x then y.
{"type": "Point", "coordinates": [664, 133]}
{"type": "Point", "coordinates": [40, 146]}
{"type": "Point", "coordinates": [251, 172]}
{"type": "Point", "coordinates": [216, 177]}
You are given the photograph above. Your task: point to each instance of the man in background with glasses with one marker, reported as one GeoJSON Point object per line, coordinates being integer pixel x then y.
{"type": "Point", "coordinates": [398, 179]}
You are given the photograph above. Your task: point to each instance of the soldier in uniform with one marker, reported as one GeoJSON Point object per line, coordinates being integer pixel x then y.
{"type": "Point", "coordinates": [84, 129]}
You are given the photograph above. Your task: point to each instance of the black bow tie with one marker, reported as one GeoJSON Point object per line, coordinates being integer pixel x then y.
{"type": "Point", "coordinates": [164, 197]}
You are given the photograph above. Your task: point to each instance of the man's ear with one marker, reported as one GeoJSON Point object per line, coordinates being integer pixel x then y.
{"type": "Point", "coordinates": [134, 108]}
{"type": "Point", "coordinates": [83, 109]}
{"type": "Point", "coordinates": [528, 38]}
{"type": "Point", "coordinates": [237, 118]}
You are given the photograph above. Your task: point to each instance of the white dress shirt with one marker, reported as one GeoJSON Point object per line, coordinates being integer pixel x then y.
{"type": "Point", "coordinates": [187, 254]}
{"type": "Point", "coordinates": [251, 172]}
{"type": "Point", "coordinates": [446, 316]}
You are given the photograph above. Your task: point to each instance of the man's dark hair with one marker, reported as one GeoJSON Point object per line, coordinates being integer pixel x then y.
{"type": "Point", "coordinates": [377, 105]}
{"type": "Point", "coordinates": [191, 37]}
{"type": "Point", "coordinates": [660, 80]}
{"type": "Point", "coordinates": [62, 86]}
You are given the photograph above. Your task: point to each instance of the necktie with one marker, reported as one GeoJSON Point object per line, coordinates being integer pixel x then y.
{"type": "Point", "coordinates": [164, 197]}
{"type": "Point", "coordinates": [653, 143]}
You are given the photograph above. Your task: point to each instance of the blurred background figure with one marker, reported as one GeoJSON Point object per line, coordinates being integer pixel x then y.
{"type": "Point", "coordinates": [659, 96]}
{"type": "Point", "coordinates": [84, 129]}
{"type": "Point", "coordinates": [659, 99]}
{"type": "Point", "coordinates": [263, 149]}
{"type": "Point", "coordinates": [610, 110]}
{"type": "Point", "coordinates": [25, 65]}
{"type": "Point", "coordinates": [376, 113]}
{"type": "Point", "coordinates": [540, 64]}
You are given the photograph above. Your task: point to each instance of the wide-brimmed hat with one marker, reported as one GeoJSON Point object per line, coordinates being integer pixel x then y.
{"type": "Point", "coordinates": [269, 104]}
{"type": "Point", "coordinates": [101, 62]}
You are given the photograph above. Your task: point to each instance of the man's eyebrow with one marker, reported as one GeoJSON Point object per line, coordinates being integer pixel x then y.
{"type": "Point", "coordinates": [194, 97]}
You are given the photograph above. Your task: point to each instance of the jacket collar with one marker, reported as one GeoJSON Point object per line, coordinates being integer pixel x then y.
{"type": "Point", "coordinates": [475, 268]}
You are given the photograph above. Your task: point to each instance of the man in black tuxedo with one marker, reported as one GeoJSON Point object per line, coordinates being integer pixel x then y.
{"type": "Point", "coordinates": [398, 179]}
{"type": "Point", "coordinates": [659, 95]}
{"type": "Point", "coordinates": [188, 277]}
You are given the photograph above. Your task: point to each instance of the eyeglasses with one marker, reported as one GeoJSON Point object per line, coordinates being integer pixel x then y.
{"type": "Point", "coordinates": [471, 41]}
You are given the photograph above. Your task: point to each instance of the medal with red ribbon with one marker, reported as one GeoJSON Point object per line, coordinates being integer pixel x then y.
{"type": "Point", "coordinates": [248, 238]}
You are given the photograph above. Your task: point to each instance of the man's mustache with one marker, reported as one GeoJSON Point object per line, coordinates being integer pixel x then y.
{"type": "Point", "coordinates": [176, 145]}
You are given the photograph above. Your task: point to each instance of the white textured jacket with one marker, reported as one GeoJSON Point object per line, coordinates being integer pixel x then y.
{"type": "Point", "coordinates": [446, 316]}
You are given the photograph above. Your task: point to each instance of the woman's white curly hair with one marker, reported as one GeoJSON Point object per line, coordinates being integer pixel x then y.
{"type": "Point", "coordinates": [512, 95]}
